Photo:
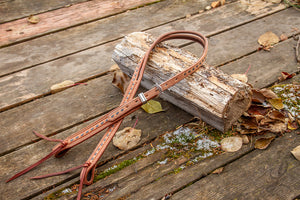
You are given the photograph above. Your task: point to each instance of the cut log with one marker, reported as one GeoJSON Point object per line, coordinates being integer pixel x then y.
{"type": "Point", "coordinates": [210, 94]}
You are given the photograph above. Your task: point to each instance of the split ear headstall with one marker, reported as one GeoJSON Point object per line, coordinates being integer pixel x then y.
{"type": "Point", "coordinates": [112, 120]}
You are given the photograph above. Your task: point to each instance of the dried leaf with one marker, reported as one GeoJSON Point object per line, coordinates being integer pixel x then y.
{"type": "Point", "coordinates": [250, 123]}
{"type": "Point", "coordinates": [121, 80]}
{"type": "Point", "coordinates": [276, 103]}
{"type": "Point", "coordinates": [231, 144]}
{"type": "Point", "coordinates": [222, 2]}
{"type": "Point", "coordinates": [257, 96]}
{"type": "Point", "coordinates": [283, 37]}
{"type": "Point", "coordinates": [127, 138]}
{"type": "Point", "coordinates": [33, 19]}
{"type": "Point", "coordinates": [268, 39]}
{"type": "Point", "coordinates": [241, 77]}
{"type": "Point", "coordinates": [152, 106]}
{"type": "Point", "coordinates": [296, 152]}
{"type": "Point", "coordinates": [258, 110]}
{"type": "Point", "coordinates": [245, 139]}
{"type": "Point", "coordinates": [266, 121]}
{"type": "Point", "coordinates": [268, 93]}
{"type": "Point", "coordinates": [218, 171]}
{"type": "Point", "coordinates": [286, 75]}
{"type": "Point", "coordinates": [249, 131]}
{"type": "Point", "coordinates": [263, 143]}
{"type": "Point", "coordinates": [277, 127]}
{"type": "Point", "coordinates": [275, 114]}
{"type": "Point", "coordinates": [292, 125]}
{"type": "Point", "coordinates": [215, 4]}
{"type": "Point", "coordinates": [60, 86]}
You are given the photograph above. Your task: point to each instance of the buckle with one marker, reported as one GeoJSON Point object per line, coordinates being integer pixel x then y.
{"type": "Point", "coordinates": [142, 98]}
{"type": "Point", "coordinates": [158, 87]}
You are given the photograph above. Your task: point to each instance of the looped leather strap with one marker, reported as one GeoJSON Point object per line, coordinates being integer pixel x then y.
{"type": "Point", "coordinates": [112, 120]}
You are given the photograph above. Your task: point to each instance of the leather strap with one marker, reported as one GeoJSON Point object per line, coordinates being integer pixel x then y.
{"type": "Point", "coordinates": [113, 119]}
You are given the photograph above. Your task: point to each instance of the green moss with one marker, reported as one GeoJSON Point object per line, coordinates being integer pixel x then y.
{"type": "Point", "coordinates": [116, 168]}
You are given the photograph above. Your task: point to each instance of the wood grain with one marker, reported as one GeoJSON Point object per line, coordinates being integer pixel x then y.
{"type": "Point", "coordinates": [54, 46]}
{"type": "Point", "coordinates": [152, 126]}
{"type": "Point", "coordinates": [65, 17]}
{"type": "Point", "coordinates": [87, 63]}
{"type": "Point", "coordinates": [262, 174]}
{"type": "Point", "coordinates": [215, 97]}
{"type": "Point", "coordinates": [15, 9]}
{"type": "Point", "coordinates": [280, 58]}
{"type": "Point", "coordinates": [173, 182]}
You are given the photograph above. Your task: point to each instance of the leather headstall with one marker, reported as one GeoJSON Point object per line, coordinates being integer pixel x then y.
{"type": "Point", "coordinates": [112, 120]}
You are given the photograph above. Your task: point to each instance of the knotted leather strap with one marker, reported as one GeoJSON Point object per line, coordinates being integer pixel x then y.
{"type": "Point", "coordinates": [129, 104]}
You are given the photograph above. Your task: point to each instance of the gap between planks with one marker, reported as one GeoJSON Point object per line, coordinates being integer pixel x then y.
{"type": "Point", "coordinates": [19, 104]}
{"type": "Point", "coordinates": [64, 18]}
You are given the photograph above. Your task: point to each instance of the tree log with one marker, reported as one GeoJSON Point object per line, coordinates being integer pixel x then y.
{"type": "Point", "coordinates": [209, 93]}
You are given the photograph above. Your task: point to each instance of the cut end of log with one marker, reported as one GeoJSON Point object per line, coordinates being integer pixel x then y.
{"type": "Point", "coordinates": [210, 94]}
{"type": "Point", "coordinates": [239, 103]}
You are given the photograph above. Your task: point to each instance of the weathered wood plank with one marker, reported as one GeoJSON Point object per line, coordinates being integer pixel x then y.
{"type": "Point", "coordinates": [32, 83]}
{"type": "Point", "coordinates": [65, 17]}
{"type": "Point", "coordinates": [280, 58]}
{"type": "Point", "coordinates": [215, 97]}
{"type": "Point", "coordinates": [242, 40]}
{"type": "Point", "coordinates": [136, 166]}
{"type": "Point", "coordinates": [262, 174]}
{"type": "Point", "coordinates": [221, 19]}
{"type": "Point", "coordinates": [47, 116]}
{"type": "Point", "coordinates": [152, 126]}
{"type": "Point", "coordinates": [57, 112]}
{"type": "Point", "coordinates": [78, 61]}
{"type": "Point", "coordinates": [15, 9]}
{"type": "Point", "coordinates": [53, 46]}
{"type": "Point", "coordinates": [173, 182]}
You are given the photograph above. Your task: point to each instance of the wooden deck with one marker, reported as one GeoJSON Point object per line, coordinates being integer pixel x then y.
{"type": "Point", "coordinates": [74, 41]}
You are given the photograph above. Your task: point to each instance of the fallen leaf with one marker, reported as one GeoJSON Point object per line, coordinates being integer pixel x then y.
{"type": "Point", "coordinates": [276, 103]}
{"type": "Point", "coordinates": [296, 152]}
{"type": "Point", "coordinates": [231, 144]}
{"type": "Point", "coordinates": [60, 86]}
{"type": "Point", "coordinates": [250, 123]}
{"type": "Point", "coordinates": [286, 75]}
{"type": "Point", "coordinates": [127, 138]}
{"type": "Point", "coordinates": [248, 131]}
{"type": "Point", "coordinates": [245, 139]}
{"type": "Point", "coordinates": [292, 125]}
{"type": "Point", "coordinates": [222, 2]}
{"type": "Point", "coordinates": [120, 80]}
{"type": "Point", "coordinates": [268, 39]}
{"type": "Point", "coordinates": [241, 77]}
{"type": "Point", "coordinates": [218, 171]}
{"type": "Point", "coordinates": [275, 114]}
{"type": "Point", "coordinates": [152, 106]}
{"type": "Point", "coordinates": [283, 37]}
{"type": "Point", "coordinates": [258, 110]}
{"type": "Point", "coordinates": [277, 127]}
{"type": "Point", "coordinates": [33, 19]}
{"type": "Point", "coordinates": [266, 121]}
{"type": "Point", "coordinates": [215, 4]}
{"type": "Point", "coordinates": [263, 143]}
{"type": "Point", "coordinates": [257, 96]}
{"type": "Point", "coordinates": [268, 93]}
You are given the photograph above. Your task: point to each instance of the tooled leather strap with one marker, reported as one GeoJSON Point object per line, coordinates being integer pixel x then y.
{"type": "Point", "coordinates": [129, 104]}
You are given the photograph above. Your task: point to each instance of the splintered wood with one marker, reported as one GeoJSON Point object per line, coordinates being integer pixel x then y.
{"type": "Point", "coordinates": [210, 94]}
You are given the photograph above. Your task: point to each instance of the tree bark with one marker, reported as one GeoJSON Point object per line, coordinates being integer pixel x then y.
{"type": "Point", "coordinates": [210, 94]}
